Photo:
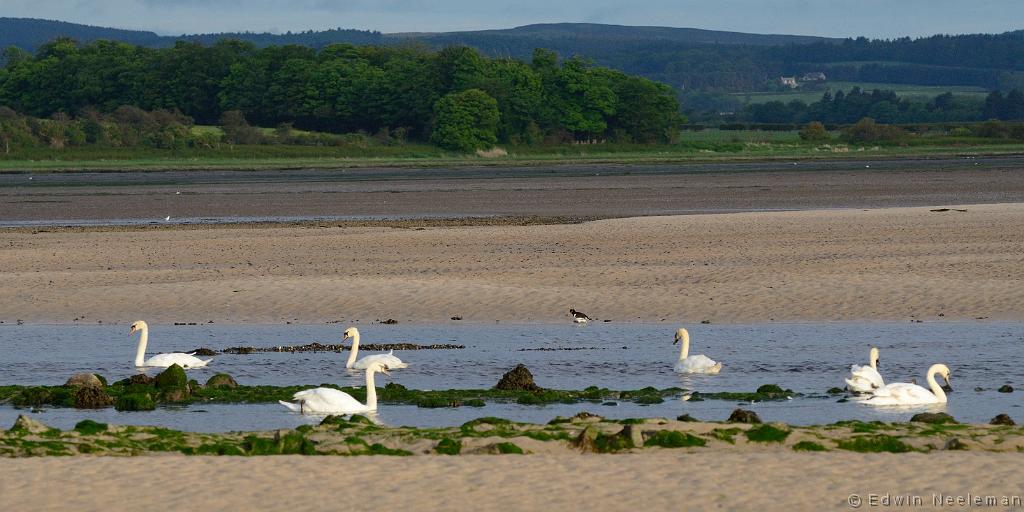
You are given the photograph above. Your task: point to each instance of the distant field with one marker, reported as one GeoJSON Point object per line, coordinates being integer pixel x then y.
{"type": "Point", "coordinates": [918, 92]}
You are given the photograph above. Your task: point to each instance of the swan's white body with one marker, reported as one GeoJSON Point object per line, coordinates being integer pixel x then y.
{"type": "Point", "coordinates": [865, 379]}
{"type": "Point", "coordinates": [390, 359]}
{"type": "Point", "coordinates": [161, 360]}
{"type": "Point", "coordinates": [903, 393]}
{"type": "Point", "coordinates": [693, 364]}
{"type": "Point", "coordinates": [332, 401]}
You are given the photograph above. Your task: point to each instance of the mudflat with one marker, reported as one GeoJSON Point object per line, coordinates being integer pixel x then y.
{"type": "Point", "coordinates": [562, 191]}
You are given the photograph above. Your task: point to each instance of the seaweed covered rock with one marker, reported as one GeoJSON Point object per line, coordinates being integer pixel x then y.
{"type": "Point", "coordinates": [203, 351]}
{"type": "Point", "coordinates": [518, 379]}
{"type": "Point", "coordinates": [83, 380]}
{"type": "Point", "coordinates": [222, 380]}
{"type": "Point", "coordinates": [1005, 388]}
{"type": "Point", "coordinates": [1002, 419]}
{"type": "Point", "coordinates": [92, 397]}
{"type": "Point", "coordinates": [135, 402]}
{"type": "Point", "coordinates": [172, 384]}
{"type": "Point", "coordinates": [26, 424]}
{"type": "Point", "coordinates": [744, 416]}
{"type": "Point", "coordinates": [591, 439]}
{"type": "Point", "coordinates": [932, 417]}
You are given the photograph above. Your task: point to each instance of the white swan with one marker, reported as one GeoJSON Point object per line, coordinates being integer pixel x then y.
{"type": "Point", "coordinates": [390, 359]}
{"type": "Point", "coordinates": [161, 360]}
{"type": "Point", "coordinates": [332, 401]}
{"type": "Point", "coordinates": [902, 393]}
{"type": "Point", "coordinates": [693, 364]}
{"type": "Point", "coordinates": [865, 379]}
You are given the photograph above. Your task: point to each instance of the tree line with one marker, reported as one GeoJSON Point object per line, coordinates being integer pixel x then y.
{"type": "Point", "coordinates": [885, 106]}
{"type": "Point", "coordinates": [346, 88]}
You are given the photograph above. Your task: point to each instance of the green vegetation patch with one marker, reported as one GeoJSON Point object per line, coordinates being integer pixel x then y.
{"type": "Point", "coordinates": [506, 448]}
{"type": "Point", "coordinates": [673, 439]}
{"type": "Point", "coordinates": [874, 444]}
{"type": "Point", "coordinates": [767, 433]}
{"type": "Point", "coordinates": [90, 427]}
{"type": "Point", "coordinates": [809, 446]}
{"type": "Point", "coordinates": [449, 446]}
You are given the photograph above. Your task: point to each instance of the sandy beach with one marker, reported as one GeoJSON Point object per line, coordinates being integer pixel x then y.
{"type": "Point", "coordinates": [860, 264]}
{"type": "Point", "coordinates": [655, 481]}
{"type": "Point", "coordinates": [875, 264]}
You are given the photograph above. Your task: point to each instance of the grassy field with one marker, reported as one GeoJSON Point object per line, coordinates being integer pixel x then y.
{"type": "Point", "coordinates": [916, 92]}
{"type": "Point", "coordinates": [693, 146]}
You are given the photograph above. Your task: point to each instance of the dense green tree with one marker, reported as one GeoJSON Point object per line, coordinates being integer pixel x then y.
{"type": "Point", "coordinates": [466, 120]}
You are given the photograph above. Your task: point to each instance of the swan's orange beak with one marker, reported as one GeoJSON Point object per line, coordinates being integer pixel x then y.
{"type": "Point", "coordinates": [131, 330]}
{"type": "Point", "coordinates": [344, 336]}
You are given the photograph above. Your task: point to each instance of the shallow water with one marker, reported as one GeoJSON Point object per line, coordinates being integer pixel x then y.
{"type": "Point", "coordinates": [808, 358]}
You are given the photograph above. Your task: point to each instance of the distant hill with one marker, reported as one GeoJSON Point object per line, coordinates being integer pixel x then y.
{"type": "Point", "coordinates": [563, 32]}
{"type": "Point", "coordinates": [689, 59]}
{"type": "Point", "coordinates": [29, 33]}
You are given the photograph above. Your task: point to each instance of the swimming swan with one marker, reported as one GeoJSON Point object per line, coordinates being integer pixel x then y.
{"type": "Point", "coordinates": [390, 359]}
{"type": "Point", "coordinates": [693, 364]}
{"type": "Point", "coordinates": [161, 360]}
{"type": "Point", "coordinates": [902, 393]}
{"type": "Point", "coordinates": [865, 379]}
{"type": "Point", "coordinates": [333, 401]}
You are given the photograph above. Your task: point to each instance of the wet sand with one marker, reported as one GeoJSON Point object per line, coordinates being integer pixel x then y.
{"type": "Point", "coordinates": [581, 191]}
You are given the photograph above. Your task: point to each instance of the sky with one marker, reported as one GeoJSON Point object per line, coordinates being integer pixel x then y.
{"type": "Point", "coordinates": [834, 18]}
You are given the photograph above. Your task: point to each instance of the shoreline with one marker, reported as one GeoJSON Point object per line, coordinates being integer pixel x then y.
{"type": "Point", "coordinates": [653, 157]}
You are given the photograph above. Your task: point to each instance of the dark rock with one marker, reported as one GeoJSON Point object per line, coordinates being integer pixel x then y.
{"type": "Point", "coordinates": [686, 418]}
{"type": "Point", "coordinates": [140, 379]}
{"type": "Point", "coordinates": [221, 380]}
{"type": "Point", "coordinates": [744, 416]}
{"type": "Point", "coordinates": [517, 379]}
{"type": "Point", "coordinates": [956, 444]}
{"type": "Point", "coordinates": [84, 379]}
{"type": "Point", "coordinates": [26, 424]}
{"type": "Point", "coordinates": [92, 397]}
{"type": "Point", "coordinates": [203, 351]}
{"type": "Point", "coordinates": [932, 417]}
{"type": "Point", "coordinates": [389, 321]}
{"type": "Point", "coordinates": [586, 416]}
{"type": "Point", "coordinates": [835, 391]}
{"type": "Point", "coordinates": [456, 317]}
{"type": "Point", "coordinates": [1005, 388]}
{"type": "Point", "coordinates": [1002, 419]}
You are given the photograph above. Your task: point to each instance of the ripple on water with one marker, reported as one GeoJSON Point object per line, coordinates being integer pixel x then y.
{"type": "Point", "coordinates": [808, 358]}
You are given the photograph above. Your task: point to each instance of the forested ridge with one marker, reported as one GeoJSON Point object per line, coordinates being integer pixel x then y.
{"type": "Point", "coordinates": [471, 100]}
{"type": "Point", "coordinates": [686, 59]}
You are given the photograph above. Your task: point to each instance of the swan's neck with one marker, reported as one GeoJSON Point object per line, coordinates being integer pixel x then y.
{"type": "Point", "coordinates": [940, 395]}
{"type": "Point", "coordinates": [874, 365]}
{"type": "Point", "coordinates": [140, 352]}
{"type": "Point", "coordinates": [371, 390]}
{"type": "Point", "coordinates": [685, 351]}
{"type": "Point", "coordinates": [353, 351]}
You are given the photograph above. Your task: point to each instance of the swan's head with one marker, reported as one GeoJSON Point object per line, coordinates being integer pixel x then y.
{"type": "Point", "coordinates": [379, 367]}
{"type": "Point", "coordinates": [351, 332]}
{"type": "Point", "coordinates": [137, 326]}
{"type": "Point", "coordinates": [944, 371]}
{"type": "Point", "coordinates": [681, 335]}
{"type": "Point", "coordinates": [874, 356]}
